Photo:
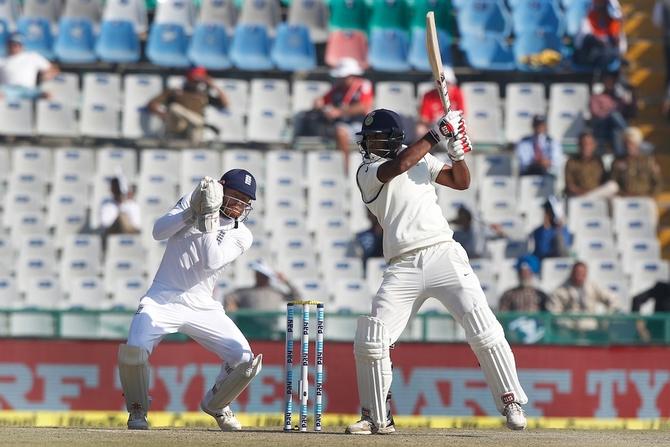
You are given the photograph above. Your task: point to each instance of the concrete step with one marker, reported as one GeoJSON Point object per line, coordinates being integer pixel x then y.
{"type": "Point", "coordinates": [638, 23]}
{"type": "Point", "coordinates": [646, 52]}
{"type": "Point", "coordinates": [648, 82]}
{"type": "Point", "coordinates": [638, 5]}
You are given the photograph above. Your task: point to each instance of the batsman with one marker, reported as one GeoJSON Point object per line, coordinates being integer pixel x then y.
{"type": "Point", "coordinates": [398, 185]}
{"type": "Point", "coordinates": [205, 232]}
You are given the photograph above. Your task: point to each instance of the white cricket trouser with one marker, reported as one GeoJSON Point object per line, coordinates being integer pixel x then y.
{"type": "Point", "coordinates": [212, 329]}
{"type": "Point", "coordinates": [441, 271]}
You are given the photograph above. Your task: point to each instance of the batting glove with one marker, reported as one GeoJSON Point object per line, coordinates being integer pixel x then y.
{"type": "Point", "coordinates": [458, 146]}
{"type": "Point", "coordinates": [447, 126]}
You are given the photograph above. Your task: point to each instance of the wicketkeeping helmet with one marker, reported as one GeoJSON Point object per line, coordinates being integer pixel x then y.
{"type": "Point", "coordinates": [383, 125]}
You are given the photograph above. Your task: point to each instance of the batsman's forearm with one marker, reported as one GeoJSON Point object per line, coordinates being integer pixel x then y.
{"type": "Point", "coordinates": [461, 174]}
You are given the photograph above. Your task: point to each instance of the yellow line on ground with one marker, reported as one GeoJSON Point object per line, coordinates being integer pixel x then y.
{"type": "Point", "coordinates": [197, 419]}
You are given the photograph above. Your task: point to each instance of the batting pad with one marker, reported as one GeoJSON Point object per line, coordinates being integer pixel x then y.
{"type": "Point", "coordinates": [134, 375]}
{"type": "Point", "coordinates": [373, 367]}
{"type": "Point", "coordinates": [487, 339]}
{"type": "Point", "coordinates": [226, 390]}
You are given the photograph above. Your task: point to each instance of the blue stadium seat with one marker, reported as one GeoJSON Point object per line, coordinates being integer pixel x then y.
{"type": "Point", "coordinates": [482, 17]}
{"type": "Point", "coordinates": [418, 55]}
{"type": "Point", "coordinates": [4, 35]}
{"type": "Point", "coordinates": [488, 53]}
{"type": "Point", "coordinates": [75, 43]}
{"type": "Point", "coordinates": [542, 15]}
{"type": "Point", "coordinates": [118, 42]}
{"type": "Point", "coordinates": [575, 11]}
{"type": "Point", "coordinates": [167, 45]}
{"type": "Point", "coordinates": [209, 46]}
{"type": "Point", "coordinates": [37, 35]}
{"type": "Point", "coordinates": [250, 49]}
{"type": "Point", "coordinates": [293, 50]}
{"type": "Point", "coordinates": [534, 42]}
{"type": "Point", "coordinates": [389, 48]}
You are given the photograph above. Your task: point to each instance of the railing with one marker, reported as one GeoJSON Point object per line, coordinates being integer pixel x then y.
{"type": "Point", "coordinates": [520, 328]}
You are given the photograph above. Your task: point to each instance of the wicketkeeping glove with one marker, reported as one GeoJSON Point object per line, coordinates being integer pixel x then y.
{"type": "Point", "coordinates": [206, 201]}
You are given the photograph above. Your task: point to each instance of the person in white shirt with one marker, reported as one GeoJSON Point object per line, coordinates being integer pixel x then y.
{"type": "Point", "coordinates": [539, 154]}
{"type": "Point", "coordinates": [120, 213]}
{"type": "Point", "coordinates": [397, 184]}
{"type": "Point", "coordinates": [205, 232]}
{"type": "Point", "coordinates": [20, 70]}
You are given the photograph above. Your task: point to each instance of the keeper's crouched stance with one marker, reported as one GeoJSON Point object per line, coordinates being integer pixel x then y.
{"type": "Point", "coordinates": [397, 185]}
{"type": "Point", "coordinates": [205, 233]}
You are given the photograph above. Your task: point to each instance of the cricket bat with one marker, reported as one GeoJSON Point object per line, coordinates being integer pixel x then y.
{"type": "Point", "coordinates": [433, 47]}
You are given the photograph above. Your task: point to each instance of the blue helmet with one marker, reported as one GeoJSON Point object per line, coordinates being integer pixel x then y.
{"type": "Point", "coordinates": [382, 122]}
{"type": "Point", "coordinates": [242, 181]}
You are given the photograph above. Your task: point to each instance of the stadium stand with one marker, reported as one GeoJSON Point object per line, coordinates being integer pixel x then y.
{"type": "Point", "coordinates": [115, 60]}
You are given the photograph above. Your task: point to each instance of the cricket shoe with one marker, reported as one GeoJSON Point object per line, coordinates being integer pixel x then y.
{"type": "Point", "coordinates": [224, 417]}
{"type": "Point", "coordinates": [365, 426]}
{"type": "Point", "coordinates": [137, 420]}
{"type": "Point", "coordinates": [516, 420]}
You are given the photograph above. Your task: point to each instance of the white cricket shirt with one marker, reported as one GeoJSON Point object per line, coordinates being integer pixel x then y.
{"type": "Point", "coordinates": [406, 206]}
{"type": "Point", "coordinates": [22, 69]}
{"type": "Point", "coordinates": [193, 260]}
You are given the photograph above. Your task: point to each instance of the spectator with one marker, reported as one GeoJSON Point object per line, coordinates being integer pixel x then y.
{"type": "Point", "coordinates": [579, 295]}
{"type": "Point", "coordinates": [601, 43]}
{"type": "Point", "coordinates": [585, 172]}
{"type": "Point", "coordinates": [636, 174]}
{"type": "Point", "coordinates": [539, 154]}
{"type": "Point", "coordinates": [660, 293]}
{"type": "Point", "coordinates": [368, 243]}
{"type": "Point", "coordinates": [525, 297]}
{"type": "Point", "coordinates": [661, 18]}
{"type": "Point", "coordinates": [473, 234]}
{"type": "Point", "coordinates": [347, 103]}
{"type": "Point", "coordinates": [610, 110]}
{"type": "Point", "coordinates": [431, 108]}
{"type": "Point", "coordinates": [270, 293]}
{"type": "Point", "coordinates": [183, 110]}
{"type": "Point", "coordinates": [552, 239]}
{"type": "Point", "coordinates": [21, 71]}
{"type": "Point", "coordinates": [120, 214]}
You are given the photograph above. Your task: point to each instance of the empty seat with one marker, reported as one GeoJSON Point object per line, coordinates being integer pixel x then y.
{"type": "Point", "coordinates": [262, 13]}
{"type": "Point", "coordinates": [252, 161]}
{"type": "Point", "coordinates": [176, 12]}
{"type": "Point", "coordinates": [98, 120]}
{"type": "Point", "coordinates": [220, 12]}
{"type": "Point", "coordinates": [237, 92]}
{"type": "Point", "coordinates": [495, 192]}
{"type": "Point", "coordinates": [605, 270]}
{"type": "Point", "coordinates": [26, 222]}
{"type": "Point", "coordinates": [346, 44]}
{"type": "Point", "coordinates": [159, 162]}
{"type": "Point", "coordinates": [324, 164]}
{"type": "Point", "coordinates": [299, 267]}
{"type": "Point", "coordinates": [195, 164]}
{"type": "Point", "coordinates": [267, 126]}
{"type": "Point", "coordinates": [451, 200]}
{"type": "Point", "coordinates": [541, 15]}
{"type": "Point", "coordinates": [533, 187]}
{"type": "Point", "coordinates": [483, 17]}
{"type": "Point", "coordinates": [634, 249]}
{"type": "Point", "coordinates": [63, 88]}
{"type": "Point", "coordinates": [167, 45]}
{"type": "Point", "coordinates": [580, 208]}
{"type": "Point", "coordinates": [270, 94]}
{"type": "Point", "coordinates": [646, 273]}
{"type": "Point", "coordinates": [313, 14]}
{"type": "Point", "coordinates": [292, 49]}
{"type": "Point", "coordinates": [231, 125]}
{"type": "Point", "coordinates": [575, 12]}
{"type": "Point", "coordinates": [10, 11]}
{"type": "Point", "coordinates": [306, 92]}
{"type": "Point", "coordinates": [139, 89]}
{"type": "Point", "coordinates": [555, 271]}
{"type": "Point", "coordinates": [345, 268]}
{"type": "Point", "coordinates": [522, 102]}
{"type": "Point", "coordinates": [75, 43]}
{"type": "Point", "coordinates": [395, 96]}
{"type": "Point", "coordinates": [418, 53]}
{"type": "Point", "coordinates": [125, 246]}
{"type": "Point", "coordinates": [625, 209]}
{"type": "Point", "coordinates": [29, 267]}
{"type": "Point", "coordinates": [9, 293]}
{"type": "Point", "coordinates": [389, 50]}
{"type": "Point", "coordinates": [348, 15]}
{"type": "Point", "coordinates": [118, 42]}
{"type": "Point", "coordinates": [250, 49]}
{"type": "Point", "coordinates": [29, 182]}
{"type": "Point", "coordinates": [568, 109]}
{"type": "Point", "coordinates": [116, 269]}
{"type": "Point", "coordinates": [37, 35]}
{"type": "Point", "coordinates": [131, 11]}
{"type": "Point", "coordinates": [84, 9]}
{"type": "Point", "coordinates": [596, 248]}
{"type": "Point", "coordinates": [635, 228]}
{"type": "Point", "coordinates": [16, 117]}
{"type": "Point", "coordinates": [488, 52]}
{"type": "Point", "coordinates": [351, 295]}
{"type": "Point", "coordinates": [593, 227]}
{"type": "Point", "coordinates": [209, 46]}
{"type": "Point", "coordinates": [127, 292]}
{"type": "Point", "coordinates": [312, 289]}
{"type": "Point", "coordinates": [49, 10]}
{"type": "Point", "coordinates": [535, 42]}
{"type": "Point", "coordinates": [102, 88]}
{"type": "Point", "coordinates": [56, 119]}
{"type": "Point", "coordinates": [112, 161]}
{"type": "Point", "coordinates": [74, 268]}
